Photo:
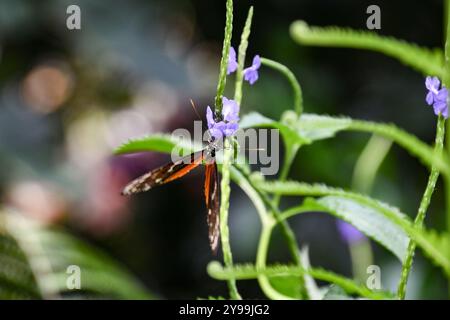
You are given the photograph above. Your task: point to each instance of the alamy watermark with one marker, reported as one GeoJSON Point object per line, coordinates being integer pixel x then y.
{"type": "Point", "coordinates": [73, 21]}
{"type": "Point", "coordinates": [73, 281]}
{"type": "Point", "coordinates": [373, 281]}
{"type": "Point", "coordinates": [374, 19]}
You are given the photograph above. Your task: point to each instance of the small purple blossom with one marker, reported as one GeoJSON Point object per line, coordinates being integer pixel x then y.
{"type": "Point", "coordinates": [432, 84]}
{"type": "Point", "coordinates": [232, 63]}
{"type": "Point", "coordinates": [437, 97]}
{"type": "Point", "coordinates": [228, 125]}
{"type": "Point", "coordinates": [440, 103]}
{"type": "Point", "coordinates": [349, 233]}
{"type": "Point", "coordinates": [251, 73]}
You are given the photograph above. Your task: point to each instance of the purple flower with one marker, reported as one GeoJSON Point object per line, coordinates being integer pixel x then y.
{"type": "Point", "coordinates": [228, 125]}
{"type": "Point", "coordinates": [437, 97]}
{"type": "Point", "coordinates": [251, 73]}
{"type": "Point", "coordinates": [432, 84]}
{"type": "Point", "coordinates": [349, 233]}
{"type": "Point", "coordinates": [440, 103]}
{"type": "Point", "coordinates": [232, 63]}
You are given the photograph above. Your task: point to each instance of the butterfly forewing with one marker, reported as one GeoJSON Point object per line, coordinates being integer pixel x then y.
{"type": "Point", "coordinates": [164, 174]}
{"type": "Point", "coordinates": [212, 204]}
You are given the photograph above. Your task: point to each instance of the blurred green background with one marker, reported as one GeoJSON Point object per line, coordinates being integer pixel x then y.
{"type": "Point", "coordinates": [67, 98]}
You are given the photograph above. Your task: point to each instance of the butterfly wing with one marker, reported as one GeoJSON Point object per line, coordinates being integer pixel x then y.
{"type": "Point", "coordinates": [212, 196]}
{"type": "Point", "coordinates": [164, 174]}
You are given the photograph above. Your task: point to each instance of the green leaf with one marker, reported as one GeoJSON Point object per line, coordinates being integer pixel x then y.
{"type": "Point", "coordinates": [34, 261]}
{"type": "Point", "coordinates": [287, 285]}
{"type": "Point", "coordinates": [156, 142]}
{"type": "Point", "coordinates": [426, 61]}
{"type": "Point", "coordinates": [255, 120]}
{"type": "Point", "coordinates": [316, 127]}
{"type": "Point", "coordinates": [435, 246]}
{"type": "Point", "coordinates": [368, 220]}
{"type": "Point", "coordinates": [311, 127]}
{"type": "Point", "coordinates": [249, 271]}
{"type": "Point", "coordinates": [374, 218]}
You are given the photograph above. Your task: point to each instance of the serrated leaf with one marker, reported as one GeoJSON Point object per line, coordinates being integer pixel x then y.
{"type": "Point", "coordinates": [434, 245]}
{"type": "Point", "coordinates": [368, 220]}
{"type": "Point", "coordinates": [156, 142]}
{"type": "Point", "coordinates": [287, 285]}
{"type": "Point", "coordinates": [376, 219]}
{"type": "Point", "coordinates": [316, 127]}
{"type": "Point", "coordinates": [255, 120]}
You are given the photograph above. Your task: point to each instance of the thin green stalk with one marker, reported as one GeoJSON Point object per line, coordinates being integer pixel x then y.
{"type": "Point", "coordinates": [227, 154]}
{"type": "Point", "coordinates": [224, 206]}
{"type": "Point", "coordinates": [446, 82]}
{"type": "Point", "coordinates": [298, 97]}
{"type": "Point", "coordinates": [425, 202]}
{"type": "Point", "coordinates": [261, 258]}
{"type": "Point", "coordinates": [267, 223]}
{"type": "Point", "coordinates": [284, 225]}
{"type": "Point", "coordinates": [224, 60]}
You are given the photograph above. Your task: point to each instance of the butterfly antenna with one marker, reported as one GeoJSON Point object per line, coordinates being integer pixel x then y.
{"type": "Point", "coordinates": [199, 118]}
{"type": "Point", "coordinates": [195, 109]}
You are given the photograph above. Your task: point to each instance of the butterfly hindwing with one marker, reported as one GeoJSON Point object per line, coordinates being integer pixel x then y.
{"type": "Point", "coordinates": [164, 174]}
{"type": "Point", "coordinates": [212, 197]}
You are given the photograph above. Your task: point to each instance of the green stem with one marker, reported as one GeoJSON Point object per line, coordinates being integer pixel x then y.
{"type": "Point", "coordinates": [267, 224]}
{"type": "Point", "coordinates": [446, 83]}
{"type": "Point", "coordinates": [261, 258]}
{"type": "Point", "coordinates": [298, 97]}
{"type": "Point", "coordinates": [266, 221]}
{"type": "Point", "coordinates": [224, 206]}
{"type": "Point", "coordinates": [224, 60]}
{"type": "Point", "coordinates": [285, 228]}
{"type": "Point", "coordinates": [227, 154]}
{"type": "Point", "coordinates": [425, 202]}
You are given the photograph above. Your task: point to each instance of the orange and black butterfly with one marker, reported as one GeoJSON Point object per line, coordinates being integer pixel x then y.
{"type": "Point", "coordinates": [176, 170]}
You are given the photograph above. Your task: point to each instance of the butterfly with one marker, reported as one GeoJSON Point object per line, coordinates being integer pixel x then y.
{"type": "Point", "coordinates": [178, 169]}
